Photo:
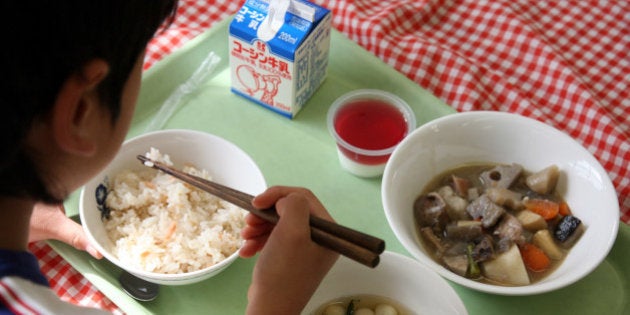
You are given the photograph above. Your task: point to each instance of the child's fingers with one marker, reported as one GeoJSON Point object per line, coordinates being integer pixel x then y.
{"type": "Point", "coordinates": [270, 196]}
{"type": "Point", "coordinates": [252, 246]}
{"type": "Point", "coordinates": [249, 231]}
{"type": "Point", "coordinates": [273, 194]}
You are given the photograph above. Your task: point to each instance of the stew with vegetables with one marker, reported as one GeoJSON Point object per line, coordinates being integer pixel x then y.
{"type": "Point", "coordinates": [498, 224]}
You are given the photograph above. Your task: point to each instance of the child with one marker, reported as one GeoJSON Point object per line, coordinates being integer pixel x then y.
{"type": "Point", "coordinates": [72, 74]}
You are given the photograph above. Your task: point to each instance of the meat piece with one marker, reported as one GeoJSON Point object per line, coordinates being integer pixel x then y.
{"type": "Point", "coordinates": [456, 248]}
{"type": "Point", "coordinates": [464, 231]}
{"type": "Point", "coordinates": [544, 181]}
{"type": "Point", "coordinates": [509, 231]}
{"type": "Point", "coordinates": [430, 210]}
{"type": "Point", "coordinates": [457, 264]}
{"type": "Point", "coordinates": [484, 250]}
{"type": "Point", "coordinates": [505, 197]}
{"type": "Point", "coordinates": [432, 239]}
{"type": "Point", "coordinates": [455, 205]}
{"type": "Point", "coordinates": [502, 176]}
{"type": "Point", "coordinates": [484, 208]}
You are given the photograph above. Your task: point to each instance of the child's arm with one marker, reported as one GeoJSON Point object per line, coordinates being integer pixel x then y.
{"type": "Point", "coordinates": [290, 266]}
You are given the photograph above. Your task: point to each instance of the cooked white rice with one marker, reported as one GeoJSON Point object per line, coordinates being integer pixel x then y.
{"type": "Point", "coordinates": [161, 224]}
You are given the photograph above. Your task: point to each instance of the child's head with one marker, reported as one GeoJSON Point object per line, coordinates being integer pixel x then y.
{"type": "Point", "coordinates": [48, 42]}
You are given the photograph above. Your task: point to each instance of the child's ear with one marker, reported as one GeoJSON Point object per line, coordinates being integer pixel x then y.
{"type": "Point", "coordinates": [77, 111]}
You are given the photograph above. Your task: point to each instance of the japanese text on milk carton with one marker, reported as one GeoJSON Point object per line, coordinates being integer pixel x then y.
{"type": "Point", "coordinates": [279, 52]}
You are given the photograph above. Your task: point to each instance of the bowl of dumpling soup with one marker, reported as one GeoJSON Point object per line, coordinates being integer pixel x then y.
{"type": "Point", "coordinates": [399, 285]}
{"type": "Point", "coordinates": [500, 203]}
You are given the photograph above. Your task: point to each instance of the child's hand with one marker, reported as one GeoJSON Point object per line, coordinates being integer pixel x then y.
{"type": "Point", "coordinates": [51, 222]}
{"type": "Point", "coordinates": [290, 265]}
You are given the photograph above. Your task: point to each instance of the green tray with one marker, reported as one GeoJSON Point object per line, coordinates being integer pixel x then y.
{"type": "Point", "coordinates": [300, 152]}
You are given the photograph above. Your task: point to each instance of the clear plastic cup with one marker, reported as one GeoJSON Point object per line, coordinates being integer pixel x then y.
{"type": "Point", "coordinates": [367, 126]}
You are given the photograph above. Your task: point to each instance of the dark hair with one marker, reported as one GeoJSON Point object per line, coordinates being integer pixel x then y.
{"type": "Point", "coordinates": [46, 42]}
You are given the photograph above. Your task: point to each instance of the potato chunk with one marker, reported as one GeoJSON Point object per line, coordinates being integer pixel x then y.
{"type": "Point", "coordinates": [544, 181]}
{"type": "Point", "coordinates": [531, 221]}
{"type": "Point", "coordinates": [508, 268]}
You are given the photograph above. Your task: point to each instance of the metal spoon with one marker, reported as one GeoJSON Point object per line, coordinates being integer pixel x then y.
{"type": "Point", "coordinates": [137, 288]}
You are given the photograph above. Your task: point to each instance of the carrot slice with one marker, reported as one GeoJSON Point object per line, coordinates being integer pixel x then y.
{"type": "Point", "coordinates": [564, 209]}
{"type": "Point", "coordinates": [545, 208]}
{"type": "Point", "coordinates": [534, 258]}
{"type": "Point", "coordinates": [169, 232]}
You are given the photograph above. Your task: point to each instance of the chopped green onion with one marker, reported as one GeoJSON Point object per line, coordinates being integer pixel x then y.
{"type": "Point", "coordinates": [473, 271]}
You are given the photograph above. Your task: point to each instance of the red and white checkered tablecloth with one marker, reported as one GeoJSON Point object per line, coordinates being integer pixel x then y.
{"type": "Point", "coordinates": [566, 63]}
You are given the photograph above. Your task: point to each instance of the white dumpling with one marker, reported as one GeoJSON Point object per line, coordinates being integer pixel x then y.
{"type": "Point", "coordinates": [385, 309]}
{"type": "Point", "coordinates": [364, 311]}
{"type": "Point", "coordinates": [335, 309]}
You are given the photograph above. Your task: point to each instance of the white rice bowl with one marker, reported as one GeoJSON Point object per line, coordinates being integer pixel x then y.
{"type": "Point", "coordinates": [175, 234]}
{"type": "Point", "coordinates": [161, 224]}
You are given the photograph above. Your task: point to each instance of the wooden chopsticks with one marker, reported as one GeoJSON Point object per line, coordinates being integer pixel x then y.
{"type": "Point", "coordinates": [353, 244]}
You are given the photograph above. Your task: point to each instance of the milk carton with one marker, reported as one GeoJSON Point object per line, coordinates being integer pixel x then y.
{"type": "Point", "coordinates": [279, 52]}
